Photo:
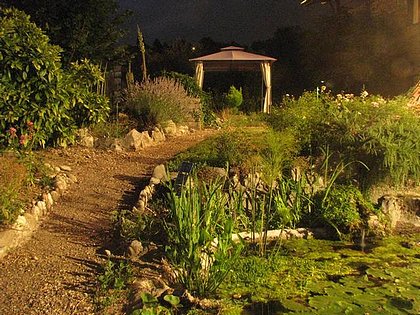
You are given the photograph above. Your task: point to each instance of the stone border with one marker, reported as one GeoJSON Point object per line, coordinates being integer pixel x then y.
{"type": "Point", "coordinates": [135, 140]}
{"type": "Point", "coordinates": [28, 222]}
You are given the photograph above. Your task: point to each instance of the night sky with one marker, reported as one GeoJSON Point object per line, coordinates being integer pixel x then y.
{"type": "Point", "coordinates": [241, 21]}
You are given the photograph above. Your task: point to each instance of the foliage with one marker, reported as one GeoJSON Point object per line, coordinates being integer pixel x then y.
{"type": "Point", "coordinates": [234, 97]}
{"type": "Point", "coordinates": [40, 103]}
{"type": "Point", "coordinates": [115, 275]}
{"type": "Point", "coordinates": [200, 236]}
{"type": "Point", "coordinates": [365, 129]}
{"type": "Point", "coordinates": [89, 106]}
{"type": "Point", "coordinates": [192, 88]}
{"type": "Point", "coordinates": [84, 29]}
{"type": "Point", "coordinates": [238, 148]}
{"type": "Point", "coordinates": [155, 101]}
{"type": "Point", "coordinates": [13, 180]}
{"type": "Point", "coordinates": [20, 173]}
{"type": "Point", "coordinates": [152, 306]}
{"type": "Point", "coordinates": [113, 279]}
{"type": "Point", "coordinates": [343, 207]}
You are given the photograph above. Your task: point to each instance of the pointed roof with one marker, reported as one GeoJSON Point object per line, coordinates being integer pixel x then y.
{"type": "Point", "coordinates": [232, 53]}
{"type": "Point", "coordinates": [233, 58]}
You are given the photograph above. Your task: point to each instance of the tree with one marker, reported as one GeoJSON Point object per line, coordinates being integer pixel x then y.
{"type": "Point", "coordinates": [83, 28]}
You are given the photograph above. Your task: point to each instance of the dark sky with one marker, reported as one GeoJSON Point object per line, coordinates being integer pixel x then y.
{"type": "Point", "coordinates": [242, 21]}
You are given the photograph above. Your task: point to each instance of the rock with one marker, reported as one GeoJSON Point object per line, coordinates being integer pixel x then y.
{"type": "Point", "coordinates": [159, 172]}
{"type": "Point", "coordinates": [137, 140]}
{"type": "Point", "coordinates": [135, 249]}
{"type": "Point", "coordinates": [20, 223]}
{"type": "Point", "coordinates": [141, 206]}
{"type": "Point", "coordinates": [60, 183]}
{"type": "Point", "coordinates": [169, 128]}
{"type": "Point", "coordinates": [65, 168]}
{"type": "Point", "coordinates": [42, 207]}
{"type": "Point", "coordinates": [35, 211]}
{"type": "Point", "coordinates": [46, 197]}
{"type": "Point", "coordinates": [154, 181]}
{"type": "Point", "coordinates": [87, 141]}
{"type": "Point", "coordinates": [132, 140]}
{"type": "Point", "coordinates": [146, 140]}
{"type": "Point", "coordinates": [183, 130]}
{"type": "Point", "coordinates": [158, 135]}
{"type": "Point", "coordinates": [55, 195]}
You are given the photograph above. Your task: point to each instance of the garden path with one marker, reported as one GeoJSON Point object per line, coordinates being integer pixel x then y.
{"type": "Point", "coordinates": [56, 271]}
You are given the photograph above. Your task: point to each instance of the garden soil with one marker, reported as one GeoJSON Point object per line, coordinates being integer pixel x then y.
{"type": "Point", "coordinates": [56, 271]}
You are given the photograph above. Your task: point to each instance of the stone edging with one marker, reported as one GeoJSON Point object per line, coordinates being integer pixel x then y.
{"type": "Point", "coordinates": [28, 222]}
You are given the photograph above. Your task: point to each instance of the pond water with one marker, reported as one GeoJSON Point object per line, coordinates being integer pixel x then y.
{"type": "Point", "coordinates": [327, 277]}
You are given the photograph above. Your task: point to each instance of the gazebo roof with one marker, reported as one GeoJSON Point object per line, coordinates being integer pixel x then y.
{"type": "Point", "coordinates": [233, 58]}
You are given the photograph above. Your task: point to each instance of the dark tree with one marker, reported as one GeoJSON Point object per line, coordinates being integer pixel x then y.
{"type": "Point", "coordinates": [83, 28]}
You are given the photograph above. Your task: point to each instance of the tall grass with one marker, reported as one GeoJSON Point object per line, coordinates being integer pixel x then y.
{"type": "Point", "coordinates": [200, 236]}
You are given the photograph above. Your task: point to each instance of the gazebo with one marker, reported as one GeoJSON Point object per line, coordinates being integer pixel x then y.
{"type": "Point", "coordinates": [234, 58]}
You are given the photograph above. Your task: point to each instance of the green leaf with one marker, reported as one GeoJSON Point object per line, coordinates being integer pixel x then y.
{"type": "Point", "coordinates": [172, 299]}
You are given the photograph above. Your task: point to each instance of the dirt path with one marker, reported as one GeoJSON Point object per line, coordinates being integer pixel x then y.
{"type": "Point", "coordinates": [55, 272]}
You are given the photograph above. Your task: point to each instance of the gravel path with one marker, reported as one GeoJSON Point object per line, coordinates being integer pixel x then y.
{"type": "Point", "coordinates": [55, 272]}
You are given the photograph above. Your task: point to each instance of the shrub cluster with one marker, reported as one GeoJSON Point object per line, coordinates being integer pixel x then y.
{"type": "Point", "coordinates": [157, 100]}
{"type": "Point", "coordinates": [40, 102]}
{"type": "Point", "coordinates": [382, 134]}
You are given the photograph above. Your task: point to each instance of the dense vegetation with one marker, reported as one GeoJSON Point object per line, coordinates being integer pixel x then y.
{"type": "Point", "coordinates": [41, 103]}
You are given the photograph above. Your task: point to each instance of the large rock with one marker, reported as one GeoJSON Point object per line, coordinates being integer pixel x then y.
{"type": "Point", "coordinates": [85, 139]}
{"type": "Point", "coordinates": [169, 128]}
{"type": "Point", "coordinates": [135, 140]}
{"type": "Point", "coordinates": [158, 135]}
{"type": "Point", "coordinates": [159, 173]}
{"type": "Point", "coordinates": [183, 130]}
{"type": "Point", "coordinates": [401, 209]}
{"type": "Point", "coordinates": [135, 249]}
{"type": "Point", "coordinates": [146, 140]}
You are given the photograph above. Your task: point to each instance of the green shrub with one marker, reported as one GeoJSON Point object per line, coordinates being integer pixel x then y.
{"type": "Point", "coordinates": [40, 103]}
{"type": "Point", "coordinates": [234, 98]}
{"type": "Point", "coordinates": [383, 134]}
{"type": "Point", "coordinates": [13, 179]}
{"type": "Point", "coordinates": [239, 148]}
{"type": "Point", "coordinates": [343, 207]}
{"type": "Point", "coordinates": [157, 100]}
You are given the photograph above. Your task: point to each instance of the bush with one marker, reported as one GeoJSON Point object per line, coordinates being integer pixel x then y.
{"type": "Point", "coordinates": [40, 103]}
{"type": "Point", "coordinates": [155, 101]}
{"type": "Point", "coordinates": [192, 88]}
{"type": "Point", "coordinates": [343, 207]}
{"type": "Point", "coordinates": [13, 176]}
{"type": "Point", "coordinates": [234, 97]}
{"type": "Point", "coordinates": [384, 135]}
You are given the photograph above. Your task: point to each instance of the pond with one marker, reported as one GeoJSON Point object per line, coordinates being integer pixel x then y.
{"type": "Point", "coordinates": [327, 277]}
